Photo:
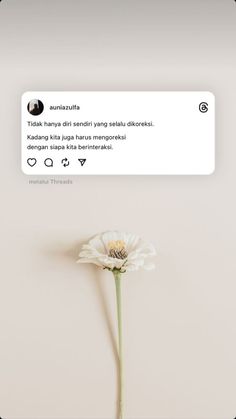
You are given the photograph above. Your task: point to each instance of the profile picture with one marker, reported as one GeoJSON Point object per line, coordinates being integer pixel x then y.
{"type": "Point", "coordinates": [35, 107]}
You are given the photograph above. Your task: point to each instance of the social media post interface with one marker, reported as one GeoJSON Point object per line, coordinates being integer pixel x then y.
{"type": "Point", "coordinates": [118, 133]}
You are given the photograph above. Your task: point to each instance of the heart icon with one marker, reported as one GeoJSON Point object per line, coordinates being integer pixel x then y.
{"type": "Point", "coordinates": [31, 162]}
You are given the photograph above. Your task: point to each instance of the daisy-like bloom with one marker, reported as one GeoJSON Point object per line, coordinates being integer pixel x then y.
{"type": "Point", "coordinates": [118, 252]}
{"type": "Point", "coordinates": [115, 250]}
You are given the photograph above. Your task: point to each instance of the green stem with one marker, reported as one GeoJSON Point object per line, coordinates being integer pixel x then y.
{"type": "Point", "coordinates": [117, 276]}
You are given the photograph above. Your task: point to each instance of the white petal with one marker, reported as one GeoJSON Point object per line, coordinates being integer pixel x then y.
{"type": "Point", "coordinates": [97, 243]}
{"type": "Point", "coordinates": [131, 242]}
{"type": "Point", "coordinates": [149, 266]}
{"type": "Point", "coordinates": [131, 268]}
{"type": "Point", "coordinates": [93, 261]}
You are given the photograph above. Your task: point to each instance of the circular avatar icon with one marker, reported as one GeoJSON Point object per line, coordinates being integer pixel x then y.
{"type": "Point", "coordinates": [35, 107]}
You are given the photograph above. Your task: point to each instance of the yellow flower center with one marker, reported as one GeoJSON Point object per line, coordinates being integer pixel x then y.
{"type": "Point", "coordinates": [117, 249]}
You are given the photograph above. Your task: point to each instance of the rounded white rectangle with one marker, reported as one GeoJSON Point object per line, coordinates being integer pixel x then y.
{"type": "Point", "coordinates": [118, 133]}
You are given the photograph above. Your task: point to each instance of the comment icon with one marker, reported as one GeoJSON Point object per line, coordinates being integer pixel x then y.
{"type": "Point", "coordinates": [48, 162]}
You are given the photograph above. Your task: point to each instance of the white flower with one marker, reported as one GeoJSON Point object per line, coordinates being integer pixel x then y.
{"type": "Point", "coordinates": [115, 250]}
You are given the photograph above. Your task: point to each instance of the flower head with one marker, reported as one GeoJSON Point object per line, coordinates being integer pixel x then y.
{"type": "Point", "coordinates": [115, 250]}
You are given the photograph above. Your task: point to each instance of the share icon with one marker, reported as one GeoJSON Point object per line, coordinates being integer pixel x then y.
{"type": "Point", "coordinates": [82, 161]}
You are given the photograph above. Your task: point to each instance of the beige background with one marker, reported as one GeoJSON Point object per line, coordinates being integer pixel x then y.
{"type": "Point", "coordinates": [57, 319]}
